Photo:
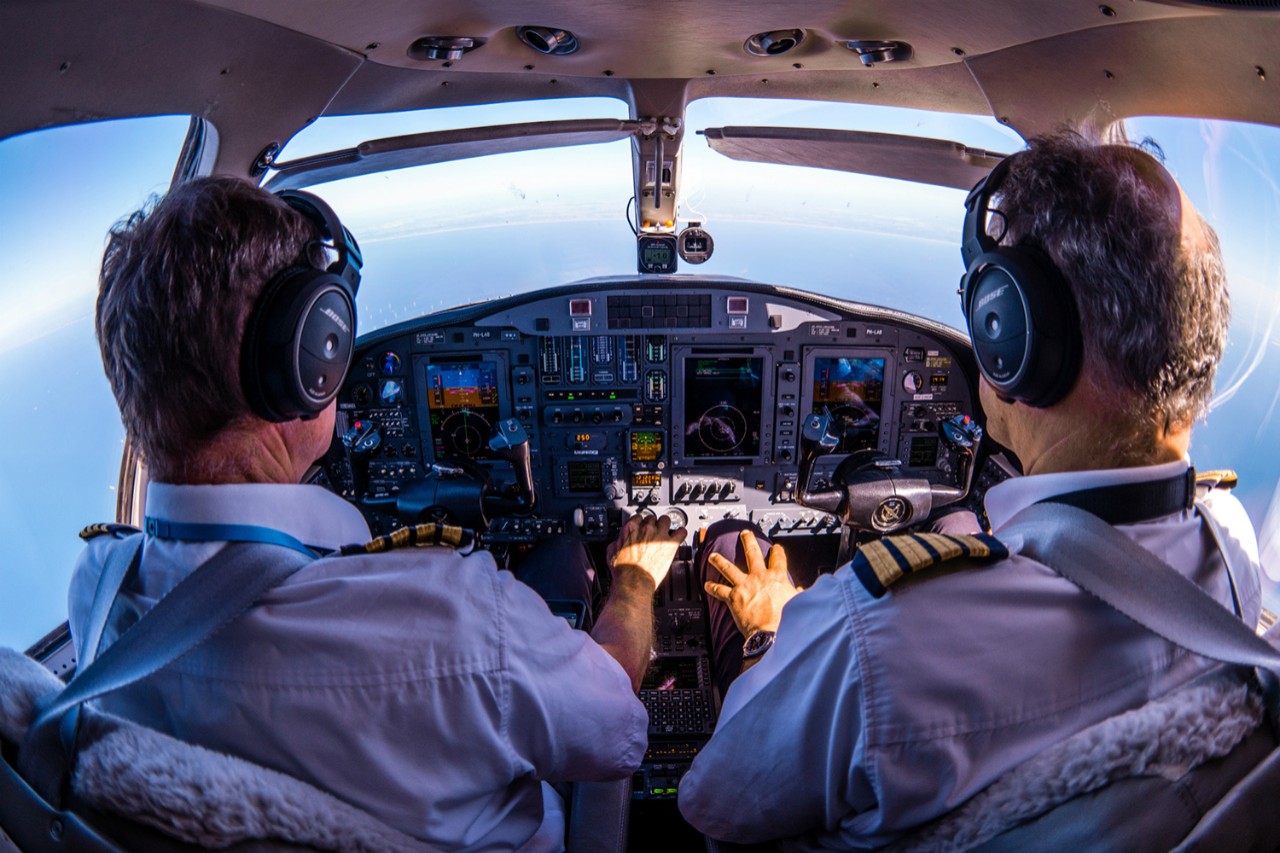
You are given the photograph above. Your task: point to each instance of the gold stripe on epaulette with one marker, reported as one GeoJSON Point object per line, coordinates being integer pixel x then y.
{"type": "Point", "coordinates": [880, 564]}
{"type": "Point", "coordinates": [419, 535]}
{"type": "Point", "coordinates": [93, 531]}
{"type": "Point", "coordinates": [1224, 478]}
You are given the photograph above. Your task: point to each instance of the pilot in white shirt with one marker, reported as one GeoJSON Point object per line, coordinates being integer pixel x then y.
{"type": "Point", "coordinates": [871, 716]}
{"type": "Point", "coordinates": [423, 685]}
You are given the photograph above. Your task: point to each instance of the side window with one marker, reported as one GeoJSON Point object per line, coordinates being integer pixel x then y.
{"type": "Point", "coordinates": [1231, 173]}
{"type": "Point", "coordinates": [60, 458]}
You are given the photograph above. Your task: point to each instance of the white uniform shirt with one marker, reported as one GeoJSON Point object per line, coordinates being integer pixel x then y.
{"type": "Point", "coordinates": [870, 717]}
{"type": "Point", "coordinates": [421, 685]}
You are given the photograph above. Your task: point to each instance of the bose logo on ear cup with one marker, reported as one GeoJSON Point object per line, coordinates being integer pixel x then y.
{"type": "Point", "coordinates": [1020, 312]}
{"type": "Point", "coordinates": [332, 315]}
{"type": "Point", "coordinates": [300, 335]}
{"type": "Point", "coordinates": [994, 295]}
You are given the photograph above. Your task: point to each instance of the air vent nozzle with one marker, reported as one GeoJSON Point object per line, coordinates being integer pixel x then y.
{"type": "Point", "coordinates": [551, 41]}
{"type": "Point", "coordinates": [442, 47]}
{"type": "Point", "coordinates": [774, 42]}
{"type": "Point", "coordinates": [874, 52]}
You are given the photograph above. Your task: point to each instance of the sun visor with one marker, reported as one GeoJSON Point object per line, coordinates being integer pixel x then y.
{"type": "Point", "coordinates": [907, 158]}
{"type": "Point", "coordinates": [419, 149]}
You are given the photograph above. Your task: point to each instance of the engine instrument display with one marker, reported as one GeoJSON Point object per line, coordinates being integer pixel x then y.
{"type": "Point", "coordinates": [723, 404]}
{"type": "Point", "coordinates": [646, 445]}
{"type": "Point", "coordinates": [462, 400]}
{"type": "Point", "coordinates": [853, 390]}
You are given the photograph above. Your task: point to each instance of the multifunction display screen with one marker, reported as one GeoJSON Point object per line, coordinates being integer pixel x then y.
{"type": "Point", "coordinates": [722, 406]}
{"type": "Point", "coordinates": [462, 403]}
{"type": "Point", "coordinates": [853, 390]}
{"type": "Point", "coordinates": [584, 477]}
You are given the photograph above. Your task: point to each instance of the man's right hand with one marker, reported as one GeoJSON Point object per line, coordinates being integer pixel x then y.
{"type": "Point", "coordinates": [645, 544]}
{"type": "Point", "coordinates": [639, 560]}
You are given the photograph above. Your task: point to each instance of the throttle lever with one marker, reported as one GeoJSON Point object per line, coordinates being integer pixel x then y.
{"type": "Point", "coordinates": [510, 442]}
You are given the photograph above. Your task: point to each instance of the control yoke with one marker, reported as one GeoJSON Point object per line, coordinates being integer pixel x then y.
{"type": "Point", "coordinates": [511, 442]}
{"type": "Point", "coordinates": [462, 492]}
{"type": "Point", "coordinates": [867, 492]}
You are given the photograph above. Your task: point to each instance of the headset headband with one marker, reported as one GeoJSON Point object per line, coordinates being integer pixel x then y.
{"type": "Point", "coordinates": [975, 241]}
{"type": "Point", "coordinates": [317, 211]}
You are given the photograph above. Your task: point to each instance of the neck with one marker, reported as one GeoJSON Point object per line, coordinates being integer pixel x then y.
{"type": "Point", "coordinates": [247, 451]}
{"type": "Point", "coordinates": [1084, 433]}
{"type": "Point", "coordinates": [1082, 449]}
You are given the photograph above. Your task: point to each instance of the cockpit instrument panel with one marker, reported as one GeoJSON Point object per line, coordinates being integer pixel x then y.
{"type": "Point", "coordinates": [684, 400]}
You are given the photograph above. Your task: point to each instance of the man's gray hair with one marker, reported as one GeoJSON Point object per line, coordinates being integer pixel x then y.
{"type": "Point", "coordinates": [178, 281]}
{"type": "Point", "coordinates": [1153, 308]}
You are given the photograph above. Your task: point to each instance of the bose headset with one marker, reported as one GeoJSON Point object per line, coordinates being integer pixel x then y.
{"type": "Point", "coordinates": [301, 333]}
{"type": "Point", "coordinates": [1020, 313]}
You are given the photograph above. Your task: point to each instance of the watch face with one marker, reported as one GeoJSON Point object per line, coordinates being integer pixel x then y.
{"type": "Point", "coordinates": [757, 644]}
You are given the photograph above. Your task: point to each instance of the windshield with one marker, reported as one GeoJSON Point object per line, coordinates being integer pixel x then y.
{"type": "Point", "coordinates": [60, 461]}
{"type": "Point", "coordinates": [441, 235]}
{"type": "Point", "coordinates": [1231, 173]}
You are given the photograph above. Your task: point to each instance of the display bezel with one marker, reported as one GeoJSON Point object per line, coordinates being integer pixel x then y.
{"type": "Point", "coordinates": [680, 355]}
{"type": "Point", "coordinates": [420, 365]}
{"type": "Point", "coordinates": [889, 415]}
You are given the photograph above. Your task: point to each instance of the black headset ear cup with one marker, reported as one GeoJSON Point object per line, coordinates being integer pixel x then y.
{"type": "Point", "coordinates": [1021, 315]}
{"type": "Point", "coordinates": [300, 334]}
{"type": "Point", "coordinates": [298, 342]}
{"type": "Point", "coordinates": [1024, 325]}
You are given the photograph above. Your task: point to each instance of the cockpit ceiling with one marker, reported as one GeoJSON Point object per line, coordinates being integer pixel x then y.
{"type": "Point", "coordinates": [261, 71]}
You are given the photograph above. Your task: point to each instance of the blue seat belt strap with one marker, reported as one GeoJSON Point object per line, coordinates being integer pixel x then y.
{"type": "Point", "coordinates": [121, 562]}
{"type": "Point", "coordinates": [204, 602]}
{"type": "Point", "coordinates": [1104, 562]}
{"type": "Point", "coordinates": [188, 531]}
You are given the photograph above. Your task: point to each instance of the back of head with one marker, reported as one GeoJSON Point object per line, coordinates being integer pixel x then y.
{"type": "Point", "coordinates": [1144, 269]}
{"type": "Point", "coordinates": [178, 282]}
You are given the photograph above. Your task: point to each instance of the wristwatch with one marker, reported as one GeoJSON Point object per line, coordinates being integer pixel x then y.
{"type": "Point", "coordinates": [757, 644]}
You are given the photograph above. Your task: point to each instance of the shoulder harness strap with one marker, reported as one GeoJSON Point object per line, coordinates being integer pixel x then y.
{"type": "Point", "coordinates": [880, 564]}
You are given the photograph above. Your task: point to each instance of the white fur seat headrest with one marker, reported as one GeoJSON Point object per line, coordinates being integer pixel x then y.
{"type": "Point", "coordinates": [193, 794]}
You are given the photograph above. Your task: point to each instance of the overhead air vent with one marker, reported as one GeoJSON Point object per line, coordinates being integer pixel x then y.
{"type": "Point", "coordinates": [774, 42]}
{"type": "Point", "coordinates": [551, 41]}
{"type": "Point", "coordinates": [442, 47]}
{"type": "Point", "coordinates": [874, 52]}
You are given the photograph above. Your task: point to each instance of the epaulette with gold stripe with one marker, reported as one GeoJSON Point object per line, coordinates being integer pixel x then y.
{"type": "Point", "coordinates": [1221, 479]}
{"type": "Point", "coordinates": [419, 535]}
{"type": "Point", "coordinates": [882, 563]}
{"type": "Point", "coordinates": [93, 531]}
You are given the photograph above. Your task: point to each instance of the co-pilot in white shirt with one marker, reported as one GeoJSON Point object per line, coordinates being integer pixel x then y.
{"type": "Point", "coordinates": [870, 717]}
{"type": "Point", "coordinates": [423, 686]}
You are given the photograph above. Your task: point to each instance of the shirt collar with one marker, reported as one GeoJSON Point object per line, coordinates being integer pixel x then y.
{"type": "Point", "coordinates": [1007, 499]}
{"type": "Point", "coordinates": [311, 514]}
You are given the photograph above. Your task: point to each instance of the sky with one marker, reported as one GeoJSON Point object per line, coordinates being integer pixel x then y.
{"type": "Point", "coordinates": [437, 236]}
